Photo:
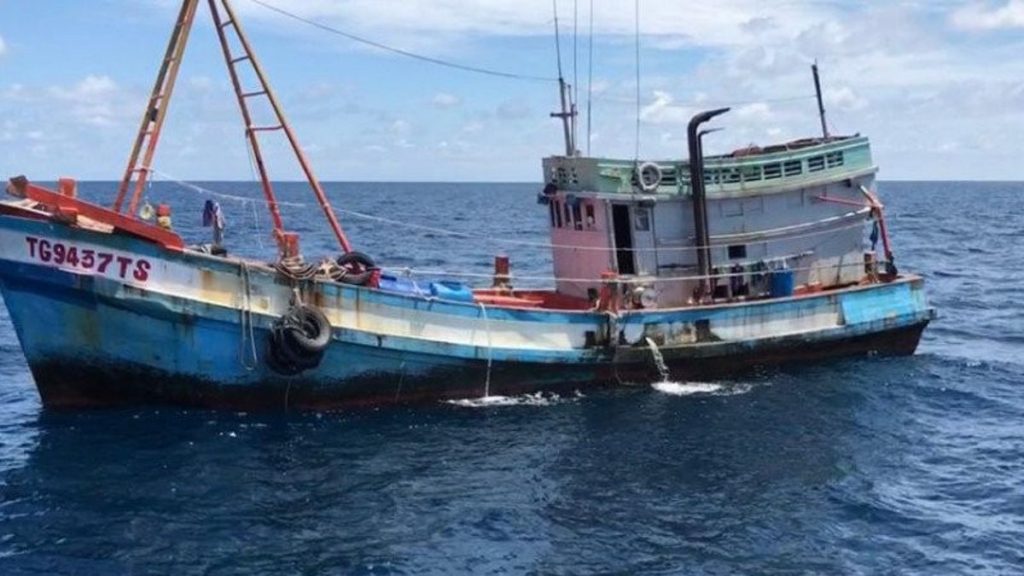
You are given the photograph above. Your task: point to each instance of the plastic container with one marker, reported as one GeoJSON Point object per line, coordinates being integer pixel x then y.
{"type": "Point", "coordinates": [782, 283]}
{"type": "Point", "coordinates": [454, 291]}
{"type": "Point", "coordinates": [391, 283]}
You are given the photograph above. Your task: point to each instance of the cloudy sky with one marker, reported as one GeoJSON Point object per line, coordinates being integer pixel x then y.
{"type": "Point", "coordinates": [937, 84]}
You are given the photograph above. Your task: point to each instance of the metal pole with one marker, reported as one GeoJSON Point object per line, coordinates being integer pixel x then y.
{"type": "Point", "coordinates": [821, 104]}
{"type": "Point", "coordinates": [700, 219]}
{"type": "Point", "coordinates": [565, 115]}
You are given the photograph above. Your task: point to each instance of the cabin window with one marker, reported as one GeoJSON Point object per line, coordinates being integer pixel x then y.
{"type": "Point", "coordinates": [558, 213]}
{"type": "Point", "coordinates": [577, 216]}
{"type": "Point", "coordinates": [730, 176]}
{"type": "Point", "coordinates": [816, 164]}
{"type": "Point", "coordinates": [737, 252]}
{"type": "Point", "coordinates": [711, 176]}
{"type": "Point", "coordinates": [567, 214]}
{"type": "Point", "coordinates": [642, 218]}
{"type": "Point", "coordinates": [772, 171]}
{"type": "Point", "coordinates": [751, 173]}
{"type": "Point", "coordinates": [833, 159]}
{"type": "Point", "coordinates": [591, 220]}
{"type": "Point", "coordinates": [793, 168]}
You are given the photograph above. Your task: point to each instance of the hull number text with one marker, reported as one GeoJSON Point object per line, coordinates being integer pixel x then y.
{"type": "Point", "coordinates": [106, 263]}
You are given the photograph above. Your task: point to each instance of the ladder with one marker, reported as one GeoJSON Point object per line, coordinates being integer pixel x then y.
{"type": "Point", "coordinates": [225, 22]}
{"type": "Point", "coordinates": [137, 174]}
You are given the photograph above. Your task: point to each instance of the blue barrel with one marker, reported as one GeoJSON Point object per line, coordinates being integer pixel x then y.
{"type": "Point", "coordinates": [456, 291]}
{"type": "Point", "coordinates": [782, 283]}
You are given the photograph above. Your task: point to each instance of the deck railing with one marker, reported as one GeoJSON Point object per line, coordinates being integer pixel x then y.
{"type": "Point", "coordinates": [756, 171]}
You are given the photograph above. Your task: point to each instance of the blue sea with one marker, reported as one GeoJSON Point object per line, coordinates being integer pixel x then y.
{"type": "Point", "coordinates": [866, 466]}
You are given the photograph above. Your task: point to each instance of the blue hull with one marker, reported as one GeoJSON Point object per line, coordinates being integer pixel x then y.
{"type": "Point", "coordinates": [97, 341]}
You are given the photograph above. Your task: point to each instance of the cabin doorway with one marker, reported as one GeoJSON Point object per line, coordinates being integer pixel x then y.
{"type": "Point", "coordinates": [623, 229]}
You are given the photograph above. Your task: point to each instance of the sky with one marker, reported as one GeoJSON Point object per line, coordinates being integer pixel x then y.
{"type": "Point", "coordinates": [938, 85]}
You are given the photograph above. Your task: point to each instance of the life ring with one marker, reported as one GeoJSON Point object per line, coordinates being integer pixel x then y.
{"type": "Point", "coordinates": [356, 268]}
{"type": "Point", "coordinates": [648, 176]}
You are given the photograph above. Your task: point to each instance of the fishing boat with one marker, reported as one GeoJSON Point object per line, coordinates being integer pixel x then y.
{"type": "Point", "coordinates": [719, 265]}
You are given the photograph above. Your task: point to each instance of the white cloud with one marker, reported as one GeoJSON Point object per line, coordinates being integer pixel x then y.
{"type": "Point", "coordinates": [757, 111]}
{"type": "Point", "coordinates": [90, 87]}
{"type": "Point", "coordinates": [3, 46]}
{"type": "Point", "coordinates": [663, 110]}
{"type": "Point", "coordinates": [669, 23]}
{"type": "Point", "coordinates": [514, 109]}
{"type": "Point", "coordinates": [93, 101]}
{"type": "Point", "coordinates": [844, 98]}
{"type": "Point", "coordinates": [981, 16]}
{"type": "Point", "coordinates": [444, 101]}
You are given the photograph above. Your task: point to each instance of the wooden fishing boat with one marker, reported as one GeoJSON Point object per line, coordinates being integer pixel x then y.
{"type": "Point", "coordinates": [719, 264]}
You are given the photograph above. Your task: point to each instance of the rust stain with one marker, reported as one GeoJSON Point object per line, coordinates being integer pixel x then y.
{"type": "Point", "coordinates": [207, 280]}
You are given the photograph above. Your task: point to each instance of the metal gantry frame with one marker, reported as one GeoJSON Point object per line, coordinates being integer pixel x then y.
{"type": "Point", "coordinates": [140, 162]}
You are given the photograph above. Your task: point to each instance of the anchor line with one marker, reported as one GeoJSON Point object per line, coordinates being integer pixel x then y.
{"type": "Point", "coordinates": [490, 350]}
{"type": "Point", "coordinates": [725, 240]}
{"type": "Point", "coordinates": [246, 323]}
{"type": "Point", "coordinates": [643, 280]}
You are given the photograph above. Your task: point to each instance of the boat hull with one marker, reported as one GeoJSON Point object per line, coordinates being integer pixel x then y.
{"type": "Point", "coordinates": [68, 382]}
{"type": "Point", "coordinates": [176, 327]}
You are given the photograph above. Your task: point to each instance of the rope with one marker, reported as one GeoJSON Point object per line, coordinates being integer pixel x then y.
{"type": "Point", "coordinates": [634, 280]}
{"type": "Point", "coordinates": [293, 267]}
{"type": "Point", "coordinates": [401, 52]}
{"type": "Point", "coordinates": [296, 269]}
{"type": "Point", "coordinates": [247, 319]}
{"type": "Point", "coordinates": [547, 245]}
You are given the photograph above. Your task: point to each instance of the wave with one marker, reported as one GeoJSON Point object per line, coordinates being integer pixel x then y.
{"type": "Point", "coordinates": [536, 399]}
{"type": "Point", "coordinates": [700, 388]}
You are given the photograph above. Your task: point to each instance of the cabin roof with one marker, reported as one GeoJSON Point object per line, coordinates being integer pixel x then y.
{"type": "Point", "coordinates": [751, 170]}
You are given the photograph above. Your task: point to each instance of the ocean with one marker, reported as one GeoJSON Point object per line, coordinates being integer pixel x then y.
{"type": "Point", "coordinates": [864, 466]}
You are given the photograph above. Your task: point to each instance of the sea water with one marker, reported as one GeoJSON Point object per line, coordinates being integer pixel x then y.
{"type": "Point", "coordinates": [863, 466]}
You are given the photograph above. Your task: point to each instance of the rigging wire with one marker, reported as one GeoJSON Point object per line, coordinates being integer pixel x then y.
{"type": "Point", "coordinates": [590, 72]}
{"type": "Point", "coordinates": [406, 53]}
{"type": "Point", "coordinates": [558, 41]}
{"type": "Point", "coordinates": [636, 6]}
{"type": "Point", "coordinates": [788, 233]}
{"type": "Point", "coordinates": [711, 104]}
{"type": "Point", "coordinates": [575, 77]}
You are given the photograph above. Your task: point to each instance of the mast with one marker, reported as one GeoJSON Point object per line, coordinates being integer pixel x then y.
{"type": "Point", "coordinates": [821, 104]}
{"type": "Point", "coordinates": [568, 110]}
{"type": "Point", "coordinates": [140, 161]}
{"type": "Point", "coordinates": [568, 116]}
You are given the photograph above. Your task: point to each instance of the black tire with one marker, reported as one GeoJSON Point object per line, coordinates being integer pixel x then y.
{"type": "Point", "coordinates": [307, 330]}
{"type": "Point", "coordinates": [288, 354]}
{"type": "Point", "coordinates": [276, 361]}
{"type": "Point", "coordinates": [359, 268]}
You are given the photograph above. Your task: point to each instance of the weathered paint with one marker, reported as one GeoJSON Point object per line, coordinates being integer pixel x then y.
{"type": "Point", "coordinates": [177, 334]}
